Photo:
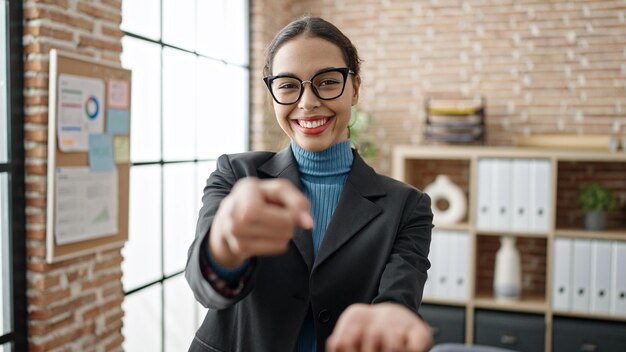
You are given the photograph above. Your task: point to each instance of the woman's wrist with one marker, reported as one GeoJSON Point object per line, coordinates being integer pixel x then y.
{"type": "Point", "coordinates": [220, 251]}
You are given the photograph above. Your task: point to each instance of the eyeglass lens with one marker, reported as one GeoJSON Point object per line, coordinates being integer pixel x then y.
{"type": "Point", "coordinates": [326, 85]}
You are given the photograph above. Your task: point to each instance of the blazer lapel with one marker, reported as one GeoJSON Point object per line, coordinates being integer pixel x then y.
{"type": "Point", "coordinates": [354, 209]}
{"type": "Point", "coordinates": [283, 165]}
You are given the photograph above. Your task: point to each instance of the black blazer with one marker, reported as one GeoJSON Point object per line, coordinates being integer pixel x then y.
{"type": "Point", "coordinates": [375, 250]}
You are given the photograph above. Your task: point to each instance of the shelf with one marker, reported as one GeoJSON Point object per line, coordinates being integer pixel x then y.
{"type": "Point", "coordinates": [444, 302]}
{"type": "Point", "coordinates": [611, 235]}
{"type": "Point", "coordinates": [511, 233]}
{"type": "Point", "coordinates": [462, 226]}
{"type": "Point", "coordinates": [419, 165]}
{"type": "Point", "coordinates": [469, 152]}
{"type": "Point", "coordinates": [587, 315]}
{"type": "Point", "coordinates": [526, 304]}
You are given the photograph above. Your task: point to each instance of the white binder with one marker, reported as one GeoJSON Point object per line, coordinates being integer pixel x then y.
{"type": "Point", "coordinates": [618, 274]}
{"type": "Point", "coordinates": [562, 278]}
{"type": "Point", "coordinates": [483, 208]}
{"type": "Point", "coordinates": [540, 181]}
{"type": "Point", "coordinates": [600, 276]}
{"type": "Point", "coordinates": [581, 276]}
{"type": "Point", "coordinates": [460, 274]}
{"type": "Point", "coordinates": [501, 194]}
{"type": "Point", "coordinates": [443, 286]}
{"type": "Point", "coordinates": [521, 195]}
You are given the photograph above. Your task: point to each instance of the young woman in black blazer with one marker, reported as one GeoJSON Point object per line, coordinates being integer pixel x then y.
{"type": "Point", "coordinates": [309, 249]}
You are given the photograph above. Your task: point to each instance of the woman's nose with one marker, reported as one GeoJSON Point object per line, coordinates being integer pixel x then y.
{"type": "Point", "coordinates": [309, 100]}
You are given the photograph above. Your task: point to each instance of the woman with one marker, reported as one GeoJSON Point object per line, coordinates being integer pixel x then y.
{"type": "Point", "coordinates": [309, 249]}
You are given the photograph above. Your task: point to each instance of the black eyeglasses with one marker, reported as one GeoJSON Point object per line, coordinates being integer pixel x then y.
{"type": "Point", "coordinates": [327, 84]}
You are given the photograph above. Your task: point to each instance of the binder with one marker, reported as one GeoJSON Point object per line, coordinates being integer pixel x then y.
{"type": "Point", "coordinates": [600, 276]}
{"type": "Point", "coordinates": [581, 276]}
{"type": "Point", "coordinates": [618, 275]}
{"type": "Point", "coordinates": [540, 181]}
{"type": "Point", "coordinates": [562, 278]}
{"type": "Point", "coordinates": [521, 195]}
{"type": "Point", "coordinates": [442, 286]}
{"type": "Point", "coordinates": [460, 273]}
{"type": "Point", "coordinates": [483, 208]}
{"type": "Point", "coordinates": [501, 194]}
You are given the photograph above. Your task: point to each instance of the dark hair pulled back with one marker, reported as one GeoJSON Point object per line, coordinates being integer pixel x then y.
{"type": "Point", "coordinates": [313, 27]}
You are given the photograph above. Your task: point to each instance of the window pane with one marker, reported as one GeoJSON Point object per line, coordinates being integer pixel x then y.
{"type": "Point", "coordinates": [142, 252]}
{"type": "Point", "coordinates": [143, 320]}
{"type": "Point", "coordinates": [231, 109]}
{"type": "Point", "coordinates": [179, 23]}
{"type": "Point", "coordinates": [222, 128]}
{"type": "Point", "coordinates": [212, 82]}
{"type": "Point", "coordinates": [179, 204]}
{"type": "Point", "coordinates": [142, 18]}
{"type": "Point", "coordinates": [210, 19]}
{"type": "Point", "coordinates": [236, 49]}
{"type": "Point", "coordinates": [180, 314]}
{"type": "Point", "coordinates": [144, 59]}
{"type": "Point", "coordinates": [3, 85]}
{"type": "Point", "coordinates": [5, 283]}
{"type": "Point", "coordinates": [179, 94]}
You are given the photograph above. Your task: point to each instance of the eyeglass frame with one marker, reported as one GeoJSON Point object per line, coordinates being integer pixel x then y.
{"type": "Point", "coordinates": [345, 71]}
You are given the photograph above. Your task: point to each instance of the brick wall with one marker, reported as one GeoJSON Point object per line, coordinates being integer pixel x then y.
{"type": "Point", "coordinates": [543, 66]}
{"type": "Point", "coordinates": [267, 18]}
{"type": "Point", "coordinates": [74, 304]}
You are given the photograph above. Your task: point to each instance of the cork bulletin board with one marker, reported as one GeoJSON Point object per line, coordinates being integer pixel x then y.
{"type": "Point", "coordinates": [88, 156]}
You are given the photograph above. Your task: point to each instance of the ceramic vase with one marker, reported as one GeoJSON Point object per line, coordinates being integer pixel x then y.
{"type": "Point", "coordinates": [444, 188]}
{"type": "Point", "coordinates": [507, 279]}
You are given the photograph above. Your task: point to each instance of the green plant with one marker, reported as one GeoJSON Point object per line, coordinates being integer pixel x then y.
{"type": "Point", "coordinates": [360, 134]}
{"type": "Point", "coordinates": [596, 197]}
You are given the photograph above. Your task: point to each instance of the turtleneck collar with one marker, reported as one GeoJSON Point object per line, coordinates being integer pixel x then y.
{"type": "Point", "coordinates": [335, 160]}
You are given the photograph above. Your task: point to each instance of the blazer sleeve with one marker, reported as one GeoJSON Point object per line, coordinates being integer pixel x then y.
{"type": "Point", "coordinates": [219, 185]}
{"type": "Point", "coordinates": [404, 276]}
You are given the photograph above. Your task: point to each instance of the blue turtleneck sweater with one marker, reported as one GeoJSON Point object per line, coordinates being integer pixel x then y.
{"type": "Point", "coordinates": [323, 175]}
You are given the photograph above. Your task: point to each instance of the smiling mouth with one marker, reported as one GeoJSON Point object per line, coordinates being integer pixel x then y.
{"type": "Point", "coordinates": [312, 123]}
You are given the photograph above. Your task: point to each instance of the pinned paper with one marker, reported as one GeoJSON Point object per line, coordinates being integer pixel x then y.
{"type": "Point", "coordinates": [118, 94]}
{"type": "Point", "coordinates": [86, 205]}
{"type": "Point", "coordinates": [79, 111]}
{"type": "Point", "coordinates": [118, 121]}
{"type": "Point", "coordinates": [101, 152]}
{"type": "Point", "coordinates": [121, 149]}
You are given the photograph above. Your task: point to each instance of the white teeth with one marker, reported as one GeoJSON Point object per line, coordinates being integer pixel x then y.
{"type": "Point", "coordinates": [312, 124]}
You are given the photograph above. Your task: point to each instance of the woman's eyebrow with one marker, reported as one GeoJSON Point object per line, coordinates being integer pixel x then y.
{"type": "Point", "coordinates": [290, 74]}
{"type": "Point", "coordinates": [285, 74]}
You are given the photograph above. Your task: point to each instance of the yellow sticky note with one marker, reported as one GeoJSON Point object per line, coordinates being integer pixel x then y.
{"type": "Point", "coordinates": [121, 149]}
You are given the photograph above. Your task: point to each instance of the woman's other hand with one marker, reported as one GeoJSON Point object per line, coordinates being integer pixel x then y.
{"type": "Point", "coordinates": [381, 327]}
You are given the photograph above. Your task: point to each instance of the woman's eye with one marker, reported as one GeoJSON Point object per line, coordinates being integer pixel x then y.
{"type": "Point", "coordinates": [287, 86]}
{"type": "Point", "coordinates": [328, 82]}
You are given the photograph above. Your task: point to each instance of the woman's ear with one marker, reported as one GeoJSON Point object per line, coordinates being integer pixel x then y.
{"type": "Point", "coordinates": [356, 88]}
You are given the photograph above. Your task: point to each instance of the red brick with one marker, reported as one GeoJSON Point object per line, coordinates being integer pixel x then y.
{"type": "Point", "coordinates": [43, 283]}
{"type": "Point", "coordinates": [88, 41]}
{"type": "Point", "coordinates": [37, 118]}
{"type": "Point", "coordinates": [47, 297]}
{"type": "Point", "coordinates": [36, 100]}
{"type": "Point", "coordinates": [99, 12]}
{"type": "Point", "coordinates": [36, 169]}
{"type": "Point", "coordinates": [36, 136]}
{"type": "Point", "coordinates": [37, 152]}
{"type": "Point", "coordinates": [36, 82]}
